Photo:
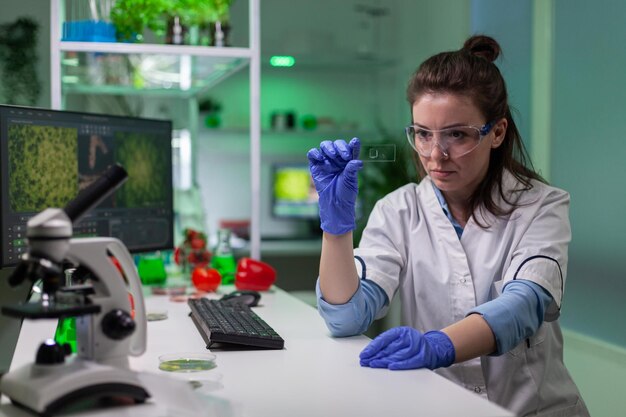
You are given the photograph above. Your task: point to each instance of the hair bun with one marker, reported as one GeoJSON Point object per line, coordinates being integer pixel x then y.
{"type": "Point", "coordinates": [483, 46]}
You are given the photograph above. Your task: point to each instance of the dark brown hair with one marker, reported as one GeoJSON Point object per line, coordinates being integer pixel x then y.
{"type": "Point", "coordinates": [470, 72]}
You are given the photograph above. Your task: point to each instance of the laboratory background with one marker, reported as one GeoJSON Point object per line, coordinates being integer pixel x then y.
{"type": "Point", "coordinates": [338, 69]}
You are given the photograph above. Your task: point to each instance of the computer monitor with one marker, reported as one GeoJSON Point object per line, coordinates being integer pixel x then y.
{"type": "Point", "coordinates": [294, 196]}
{"type": "Point", "coordinates": [47, 157]}
{"type": "Point", "coordinates": [293, 192]}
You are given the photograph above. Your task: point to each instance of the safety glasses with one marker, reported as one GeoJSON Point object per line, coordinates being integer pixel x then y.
{"type": "Point", "coordinates": [453, 141]}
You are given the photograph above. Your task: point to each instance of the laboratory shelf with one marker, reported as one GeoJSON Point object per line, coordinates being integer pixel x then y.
{"type": "Point", "coordinates": [158, 70]}
{"type": "Point", "coordinates": [183, 76]}
{"type": "Point", "coordinates": [71, 88]}
{"type": "Point", "coordinates": [155, 49]}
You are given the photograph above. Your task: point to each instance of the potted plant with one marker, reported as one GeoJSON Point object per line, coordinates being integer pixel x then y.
{"type": "Point", "coordinates": [203, 13]}
{"type": "Point", "coordinates": [183, 17]}
{"type": "Point", "coordinates": [212, 18]}
{"type": "Point", "coordinates": [210, 108]}
{"type": "Point", "coordinates": [180, 15]}
{"type": "Point", "coordinates": [219, 25]}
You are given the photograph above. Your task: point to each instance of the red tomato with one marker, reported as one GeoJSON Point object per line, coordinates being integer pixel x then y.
{"type": "Point", "coordinates": [206, 279]}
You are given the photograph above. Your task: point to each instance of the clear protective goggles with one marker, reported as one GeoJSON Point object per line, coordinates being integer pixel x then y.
{"type": "Point", "coordinates": [453, 141]}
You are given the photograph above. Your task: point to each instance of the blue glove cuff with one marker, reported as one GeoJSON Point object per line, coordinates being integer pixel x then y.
{"type": "Point", "coordinates": [442, 345]}
{"type": "Point", "coordinates": [337, 217]}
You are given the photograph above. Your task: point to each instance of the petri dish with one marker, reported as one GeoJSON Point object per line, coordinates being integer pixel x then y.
{"type": "Point", "coordinates": [187, 362]}
{"type": "Point", "coordinates": [171, 290]}
{"type": "Point", "coordinates": [156, 315]}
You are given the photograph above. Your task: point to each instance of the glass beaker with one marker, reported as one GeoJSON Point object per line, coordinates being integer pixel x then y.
{"type": "Point", "coordinates": [151, 269]}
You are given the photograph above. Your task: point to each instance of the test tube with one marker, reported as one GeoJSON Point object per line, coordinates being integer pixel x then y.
{"type": "Point", "coordinates": [378, 153]}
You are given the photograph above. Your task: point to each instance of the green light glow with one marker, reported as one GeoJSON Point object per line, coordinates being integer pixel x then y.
{"type": "Point", "coordinates": [282, 61]}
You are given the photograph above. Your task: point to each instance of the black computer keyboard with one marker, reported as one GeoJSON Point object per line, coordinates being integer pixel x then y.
{"type": "Point", "coordinates": [225, 323]}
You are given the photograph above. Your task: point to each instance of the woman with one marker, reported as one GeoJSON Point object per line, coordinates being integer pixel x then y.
{"type": "Point", "coordinates": [476, 252]}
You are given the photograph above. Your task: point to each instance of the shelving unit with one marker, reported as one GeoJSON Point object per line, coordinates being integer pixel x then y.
{"type": "Point", "coordinates": [189, 70]}
{"type": "Point", "coordinates": [196, 69]}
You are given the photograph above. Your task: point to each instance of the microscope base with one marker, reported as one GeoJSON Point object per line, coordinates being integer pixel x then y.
{"type": "Point", "coordinates": [48, 389]}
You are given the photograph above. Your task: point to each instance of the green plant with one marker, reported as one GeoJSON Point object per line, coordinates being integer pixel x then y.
{"type": "Point", "coordinates": [222, 10]}
{"type": "Point", "coordinates": [18, 58]}
{"type": "Point", "coordinates": [184, 9]}
{"type": "Point", "coordinates": [201, 12]}
{"type": "Point", "coordinates": [132, 17]}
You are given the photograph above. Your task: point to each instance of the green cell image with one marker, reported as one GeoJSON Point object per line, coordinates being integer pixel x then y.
{"type": "Point", "coordinates": [292, 184]}
{"type": "Point", "coordinates": [43, 168]}
{"type": "Point", "coordinates": [146, 161]}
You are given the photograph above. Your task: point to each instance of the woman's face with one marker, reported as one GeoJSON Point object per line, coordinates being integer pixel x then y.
{"type": "Point", "coordinates": [456, 177]}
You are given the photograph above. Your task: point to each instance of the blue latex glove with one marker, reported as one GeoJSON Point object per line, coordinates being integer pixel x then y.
{"type": "Point", "coordinates": [407, 348]}
{"type": "Point", "coordinates": [334, 167]}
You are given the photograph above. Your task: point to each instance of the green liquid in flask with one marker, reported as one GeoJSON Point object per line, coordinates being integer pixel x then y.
{"type": "Point", "coordinates": [223, 258]}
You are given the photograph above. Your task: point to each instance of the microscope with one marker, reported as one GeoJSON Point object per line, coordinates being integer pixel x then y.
{"type": "Point", "coordinates": [106, 334]}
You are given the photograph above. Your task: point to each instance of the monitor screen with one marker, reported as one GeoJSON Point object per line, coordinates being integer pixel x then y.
{"type": "Point", "coordinates": [293, 192]}
{"type": "Point", "coordinates": [47, 157]}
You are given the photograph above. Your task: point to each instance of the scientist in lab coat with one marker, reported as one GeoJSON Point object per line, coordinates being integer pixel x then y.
{"type": "Point", "coordinates": [476, 251]}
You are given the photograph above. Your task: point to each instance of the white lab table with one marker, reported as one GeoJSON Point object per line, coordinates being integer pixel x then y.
{"type": "Point", "coordinates": [314, 375]}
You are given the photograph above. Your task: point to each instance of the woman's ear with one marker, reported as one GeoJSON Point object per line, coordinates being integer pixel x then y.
{"type": "Point", "coordinates": [499, 131]}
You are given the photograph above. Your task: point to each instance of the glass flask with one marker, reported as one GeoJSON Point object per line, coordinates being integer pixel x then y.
{"type": "Point", "coordinates": [223, 258]}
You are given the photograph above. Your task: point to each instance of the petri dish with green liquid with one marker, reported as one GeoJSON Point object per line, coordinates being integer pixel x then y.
{"type": "Point", "coordinates": [187, 362]}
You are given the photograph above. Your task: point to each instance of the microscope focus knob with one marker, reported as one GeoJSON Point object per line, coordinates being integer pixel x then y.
{"type": "Point", "coordinates": [118, 324]}
{"type": "Point", "coordinates": [50, 353]}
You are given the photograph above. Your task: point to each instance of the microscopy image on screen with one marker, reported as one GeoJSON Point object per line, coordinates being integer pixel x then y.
{"type": "Point", "coordinates": [95, 155]}
{"type": "Point", "coordinates": [43, 170]}
{"type": "Point", "coordinates": [148, 165]}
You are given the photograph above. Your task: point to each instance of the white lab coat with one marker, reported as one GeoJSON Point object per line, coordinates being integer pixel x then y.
{"type": "Point", "coordinates": [410, 247]}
